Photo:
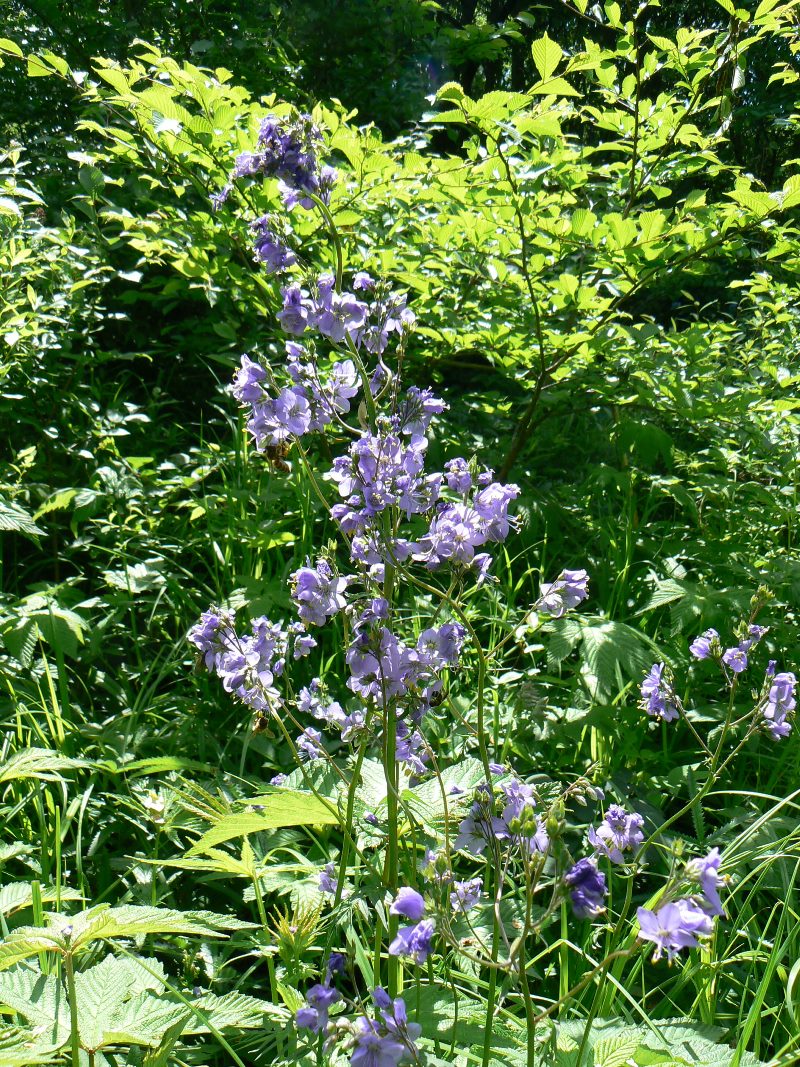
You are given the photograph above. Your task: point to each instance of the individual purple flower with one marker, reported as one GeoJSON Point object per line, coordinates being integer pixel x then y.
{"type": "Point", "coordinates": [619, 832]}
{"type": "Point", "coordinates": [735, 659]}
{"type": "Point", "coordinates": [780, 704]}
{"type": "Point", "coordinates": [362, 281]}
{"type": "Point", "coordinates": [277, 779]}
{"type": "Point", "coordinates": [702, 646]}
{"type": "Point", "coordinates": [374, 1049]}
{"type": "Point", "coordinates": [269, 248]}
{"type": "Point", "coordinates": [318, 593]}
{"type": "Point", "coordinates": [466, 895]}
{"type": "Point", "coordinates": [568, 590]}
{"type": "Point", "coordinates": [587, 888]}
{"type": "Point", "coordinates": [309, 744]}
{"type": "Point", "coordinates": [754, 635]}
{"type": "Point", "coordinates": [414, 941]}
{"type": "Point", "coordinates": [314, 1016]}
{"type": "Point", "coordinates": [294, 315]}
{"type": "Point", "coordinates": [340, 315]}
{"type": "Point", "coordinates": [459, 476]}
{"type": "Point", "coordinates": [705, 870]}
{"type": "Point", "coordinates": [275, 421]}
{"type": "Point", "coordinates": [327, 879]}
{"type": "Point", "coordinates": [671, 928]}
{"type": "Point", "coordinates": [658, 694]}
{"type": "Point", "coordinates": [247, 387]}
{"type": "Point", "coordinates": [408, 903]}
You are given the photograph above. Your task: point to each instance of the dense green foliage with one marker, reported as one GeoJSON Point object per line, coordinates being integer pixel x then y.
{"type": "Point", "coordinates": [599, 239]}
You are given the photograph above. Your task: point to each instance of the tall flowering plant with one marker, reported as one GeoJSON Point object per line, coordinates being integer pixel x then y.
{"type": "Point", "coordinates": [484, 882]}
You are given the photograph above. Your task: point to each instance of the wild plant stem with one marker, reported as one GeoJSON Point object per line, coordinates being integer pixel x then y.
{"type": "Point", "coordinates": [74, 1036]}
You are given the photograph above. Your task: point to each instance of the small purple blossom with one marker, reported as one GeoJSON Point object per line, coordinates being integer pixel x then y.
{"type": "Point", "coordinates": [414, 941]}
{"type": "Point", "coordinates": [735, 659]}
{"type": "Point", "coordinates": [658, 694]}
{"type": "Point", "coordinates": [705, 870]}
{"type": "Point", "coordinates": [671, 928]}
{"type": "Point", "coordinates": [327, 879]}
{"type": "Point", "coordinates": [466, 895]}
{"type": "Point", "coordinates": [568, 590]}
{"type": "Point", "coordinates": [373, 1048]}
{"type": "Point", "coordinates": [587, 888]}
{"type": "Point", "coordinates": [269, 248]}
{"type": "Point", "coordinates": [702, 646]}
{"type": "Point", "coordinates": [408, 903]}
{"type": "Point", "coordinates": [309, 744]}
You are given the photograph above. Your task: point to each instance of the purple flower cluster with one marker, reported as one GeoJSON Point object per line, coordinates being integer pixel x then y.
{"type": "Point", "coordinates": [680, 923]}
{"type": "Point", "coordinates": [568, 590]}
{"type": "Point", "coordinates": [287, 149]}
{"type": "Point", "coordinates": [465, 896]}
{"type": "Point", "coordinates": [412, 941]}
{"type": "Point", "coordinates": [619, 832]}
{"type": "Point", "coordinates": [459, 529]}
{"type": "Point", "coordinates": [385, 668]}
{"type": "Point", "coordinates": [344, 317]}
{"type": "Point", "coordinates": [318, 593]}
{"type": "Point", "coordinates": [518, 821]}
{"type": "Point", "coordinates": [587, 888]}
{"type": "Point", "coordinates": [385, 1041]}
{"type": "Point", "coordinates": [780, 704]}
{"type": "Point", "coordinates": [269, 247]}
{"type": "Point", "coordinates": [658, 694]}
{"type": "Point", "coordinates": [248, 665]}
{"type": "Point", "coordinates": [309, 404]}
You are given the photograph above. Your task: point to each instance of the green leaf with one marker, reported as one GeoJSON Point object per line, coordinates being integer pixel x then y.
{"type": "Point", "coordinates": [42, 763]}
{"type": "Point", "coordinates": [281, 808]}
{"type": "Point", "coordinates": [133, 920]}
{"type": "Point", "coordinates": [37, 68]}
{"type": "Point", "coordinates": [16, 519]}
{"type": "Point", "coordinates": [546, 55]}
{"type": "Point", "coordinates": [19, 895]}
{"type": "Point", "coordinates": [40, 999]}
{"type": "Point", "coordinates": [10, 48]}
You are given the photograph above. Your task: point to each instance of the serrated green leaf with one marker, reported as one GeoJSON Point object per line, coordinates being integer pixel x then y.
{"type": "Point", "coordinates": [281, 808]}
{"type": "Point", "coordinates": [546, 55]}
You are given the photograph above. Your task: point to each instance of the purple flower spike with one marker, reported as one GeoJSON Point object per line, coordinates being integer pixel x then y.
{"type": "Point", "coordinates": [780, 704]}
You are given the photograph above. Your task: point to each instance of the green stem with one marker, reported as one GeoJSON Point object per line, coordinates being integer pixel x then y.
{"type": "Point", "coordinates": [323, 209]}
{"type": "Point", "coordinates": [74, 1036]}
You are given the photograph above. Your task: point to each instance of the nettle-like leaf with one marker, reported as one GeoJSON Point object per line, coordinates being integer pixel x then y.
{"type": "Point", "coordinates": [18, 895]}
{"type": "Point", "coordinates": [41, 763]}
{"type": "Point", "coordinates": [667, 1043]}
{"type": "Point", "coordinates": [283, 807]}
{"type": "Point", "coordinates": [16, 519]}
{"type": "Point", "coordinates": [40, 999]}
{"type": "Point", "coordinates": [102, 992]}
{"type": "Point", "coordinates": [21, 1048]}
{"type": "Point", "coordinates": [79, 932]}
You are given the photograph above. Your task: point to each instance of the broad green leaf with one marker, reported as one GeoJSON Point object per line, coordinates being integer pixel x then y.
{"type": "Point", "coordinates": [18, 895]}
{"type": "Point", "coordinates": [281, 808]}
{"type": "Point", "coordinates": [546, 55]}
{"type": "Point", "coordinates": [16, 519]}
{"type": "Point", "coordinates": [40, 999]}
{"type": "Point", "coordinates": [10, 47]}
